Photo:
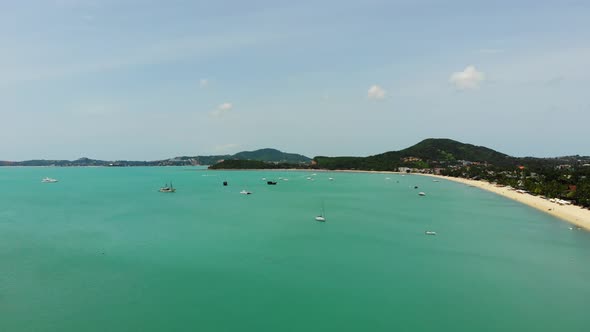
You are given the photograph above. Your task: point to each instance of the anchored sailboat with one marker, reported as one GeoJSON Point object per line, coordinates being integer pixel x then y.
{"type": "Point", "coordinates": [322, 216]}
{"type": "Point", "coordinates": [167, 189]}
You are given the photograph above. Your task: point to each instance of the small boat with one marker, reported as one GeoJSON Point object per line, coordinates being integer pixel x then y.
{"type": "Point", "coordinates": [48, 180]}
{"type": "Point", "coordinates": [285, 179]}
{"type": "Point", "coordinates": [322, 216]}
{"type": "Point", "coordinates": [225, 183]}
{"type": "Point", "coordinates": [271, 183]}
{"type": "Point", "coordinates": [435, 181]}
{"type": "Point", "coordinates": [167, 189]}
{"type": "Point", "coordinates": [309, 178]}
{"type": "Point", "coordinates": [314, 174]}
{"type": "Point", "coordinates": [422, 193]}
{"type": "Point", "coordinates": [263, 179]}
{"type": "Point", "coordinates": [245, 192]}
{"type": "Point", "coordinates": [430, 233]}
{"type": "Point", "coordinates": [331, 179]}
{"type": "Point", "coordinates": [415, 187]}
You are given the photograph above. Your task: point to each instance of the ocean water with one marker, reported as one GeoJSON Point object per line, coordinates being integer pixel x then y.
{"type": "Point", "coordinates": [102, 250]}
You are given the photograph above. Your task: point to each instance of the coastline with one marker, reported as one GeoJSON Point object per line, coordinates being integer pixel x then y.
{"type": "Point", "coordinates": [571, 213]}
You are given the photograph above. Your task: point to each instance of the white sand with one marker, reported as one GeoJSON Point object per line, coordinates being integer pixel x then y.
{"type": "Point", "coordinates": [570, 213]}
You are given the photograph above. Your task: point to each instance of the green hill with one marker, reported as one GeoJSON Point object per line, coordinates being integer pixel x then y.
{"type": "Point", "coordinates": [271, 155]}
{"type": "Point", "coordinates": [430, 152]}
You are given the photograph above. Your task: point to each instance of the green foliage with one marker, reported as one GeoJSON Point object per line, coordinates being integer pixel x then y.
{"type": "Point", "coordinates": [252, 164]}
{"type": "Point", "coordinates": [272, 155]}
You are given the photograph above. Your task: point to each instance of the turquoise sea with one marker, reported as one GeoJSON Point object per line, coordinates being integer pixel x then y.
{"type": "Point", "coordinates": [102, 250]}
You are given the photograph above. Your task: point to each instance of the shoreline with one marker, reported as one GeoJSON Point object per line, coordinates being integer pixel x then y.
{"type": "Point", "coordinates": [572, 214]}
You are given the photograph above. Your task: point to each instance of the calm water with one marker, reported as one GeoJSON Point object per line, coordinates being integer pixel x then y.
{"type": "Point", "coordinates": [102, 250]}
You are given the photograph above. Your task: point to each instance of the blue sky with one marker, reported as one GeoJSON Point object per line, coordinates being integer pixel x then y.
{"type": "Point", "coordinates": [154, 79]}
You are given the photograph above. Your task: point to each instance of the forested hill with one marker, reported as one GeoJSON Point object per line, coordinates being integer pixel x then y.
{"type": "Point", "coordinates": [436, 152]}
{"type": "Point", "coordinates": [271, 155]}
{"type": "Point", "coordinates": [265, 155]}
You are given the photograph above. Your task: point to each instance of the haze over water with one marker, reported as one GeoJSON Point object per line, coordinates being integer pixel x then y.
{"type": "Point", "coordinates": [102, 250]}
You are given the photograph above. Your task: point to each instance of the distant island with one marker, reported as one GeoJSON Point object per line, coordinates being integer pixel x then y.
{"type": "Point", "coordinates": [265, 155]}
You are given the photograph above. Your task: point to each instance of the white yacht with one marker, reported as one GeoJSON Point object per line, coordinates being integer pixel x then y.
{"type": "Point", "coordinates": [322, 216]}
{"type": "Point", "coordinates": [422, 193]}
{"type": "Point", "coordinates": [430, 233]}
{"type": "Point", "coordinates": [48, 180]}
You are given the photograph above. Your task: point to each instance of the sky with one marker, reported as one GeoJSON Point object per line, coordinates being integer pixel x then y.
{"type": "Point", "coordinates": [146, 80]}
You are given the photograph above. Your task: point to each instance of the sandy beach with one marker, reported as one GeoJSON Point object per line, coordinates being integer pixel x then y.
{"type": "Point", "coordinates": [570, 213]}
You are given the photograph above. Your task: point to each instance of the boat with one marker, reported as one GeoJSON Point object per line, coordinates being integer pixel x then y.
{"type": "Point", "coordinates": [271, 183]}
{"type": "Point", "coordinates": [422, 193]}
{"type": "Point", "coordinates": [435, 181]}
{"type": "Point", "coordinates": [322, 216]}
{"type": "Point", "coordinates": [331, 179]}
{"type": "Point", "coordinates": [430, 233]}
{"type": "Point", "coordinates": [245, 192]}
{"type": "Point", "coordinates": [309, 178]}
{"type": "Point", "coordinates": [167, 189]}
{"type": "Point", "coordinates": [48, 180]}
{"type": "Point", "coordinates": [285, 179]}
{"type": "Point", "coordinates": [415, 187]}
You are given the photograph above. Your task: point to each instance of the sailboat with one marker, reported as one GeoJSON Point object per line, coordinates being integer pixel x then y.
{"type": "Point", "coordinates": [322, 216]}
{"type": "Point", "coordinates": [167, 189]}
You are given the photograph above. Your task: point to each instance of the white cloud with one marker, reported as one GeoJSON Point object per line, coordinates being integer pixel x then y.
{"type": "Point", "coordinates": [376, 92]}
{"type": "Point", "coordinates": [467, 79]}
{"type": "Point", "coordinates": [222, 109]}
{"type": "Point", "coordinates": [203, 83]}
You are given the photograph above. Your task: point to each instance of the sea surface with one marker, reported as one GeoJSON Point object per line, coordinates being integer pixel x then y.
{"type": "Point", "coordinates": [103, 250]}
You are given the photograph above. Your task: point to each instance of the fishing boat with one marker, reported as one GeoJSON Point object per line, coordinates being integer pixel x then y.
{"type": "Point", "coordinates": [167, 188]}
{"type": "Point", "coordinates": [422, 193]}
{"type": "Point", "coordinates": [271, 183]}
{"type": "Point", "coordinates": [430, 233]}
{"type": "Point", "coordinates": [48, 180]}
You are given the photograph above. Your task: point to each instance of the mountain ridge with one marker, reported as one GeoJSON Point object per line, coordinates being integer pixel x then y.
{"type": "Point", "coordinates": [266, 155]}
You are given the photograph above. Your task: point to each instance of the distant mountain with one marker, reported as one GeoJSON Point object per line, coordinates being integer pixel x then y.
{"type": "Point", "coordinates": [271, 155]}
{"type": "Point", "coordinates": [264, 155]}
{"type": "Point", "coordinates": [430, 152]}
{"type": "Point", "coordinates": [256, 164]}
